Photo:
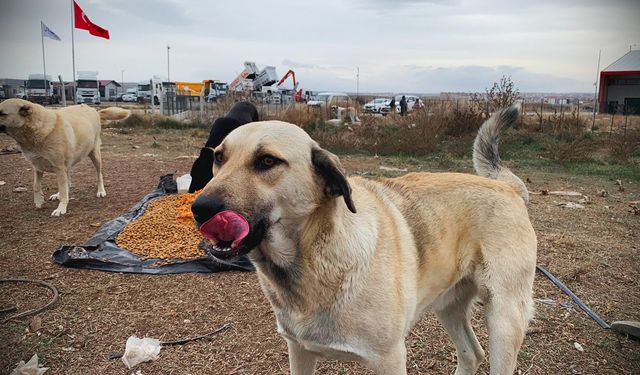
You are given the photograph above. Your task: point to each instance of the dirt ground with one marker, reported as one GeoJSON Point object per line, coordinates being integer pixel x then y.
{"type": "Point", "coordinates": [594, 250]}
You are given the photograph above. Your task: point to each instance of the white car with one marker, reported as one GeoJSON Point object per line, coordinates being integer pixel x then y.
{"type": "Point", "coordinates": [130, 98]}
{"type": "Point", "coordinates": [376, 105]}
{"type": "Point", "coordinates": [330, 99]}
{"type": "Point", "coordinates": [411, 101]}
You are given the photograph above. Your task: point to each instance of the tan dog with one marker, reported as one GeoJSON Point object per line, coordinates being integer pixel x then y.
{"type": "Point", "coordinates": [350, 286]}
{"type": "Point", "coordinates": [54, 140]}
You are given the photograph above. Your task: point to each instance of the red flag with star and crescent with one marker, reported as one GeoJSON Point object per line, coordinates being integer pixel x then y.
{"type": "Point", "coordinates": [83, 22]}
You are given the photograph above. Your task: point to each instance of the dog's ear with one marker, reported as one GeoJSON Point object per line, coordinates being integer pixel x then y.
{"type": "Point", "coordinates": [25, 110]}
{"type": "Point", "coordinates": [328, 167]}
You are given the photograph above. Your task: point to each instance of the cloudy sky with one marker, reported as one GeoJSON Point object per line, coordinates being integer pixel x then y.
{"type": "Point", "coordinates": [425, 46]}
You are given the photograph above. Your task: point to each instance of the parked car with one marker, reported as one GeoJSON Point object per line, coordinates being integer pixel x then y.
{"type": "Point", "coordinates": [330, 99]}
{"type": "Point", "coordinates": [376, 105]}
{"type": "Point", "coordinates": [411, 101]}
{"type": "Point", "coordinates": [130, 98]}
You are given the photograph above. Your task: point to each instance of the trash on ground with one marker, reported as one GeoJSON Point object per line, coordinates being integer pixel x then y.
{"type": "Point", "coordinates": [570, 205]}
{"type": "Point", "coordinates": [183, 182]}
{"type": "Point", "coordinates": [585, 200]}
{"type": "Point", "coordinates": [565, 193]}
{"type": "Point", "coordinates": [2, 183]}
{"type": "Point", "coordinates": [547, 301]}
{"type": "Point", "coordinates": [30, 368]}
{"type": "Point", "coordinates": [20, 189]}
{"type": "Point", "coordinates": [603, 193]}
{"type": "Point", "coordinates": [578, 347]}
{"type": "Point", "coordinates": [139, 350]}
{"type": "Point", "coordinates": [393, 169]}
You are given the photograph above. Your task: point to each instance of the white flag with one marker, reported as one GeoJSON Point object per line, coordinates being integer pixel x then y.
{"type": "Point", "coordinates": [46, 31]}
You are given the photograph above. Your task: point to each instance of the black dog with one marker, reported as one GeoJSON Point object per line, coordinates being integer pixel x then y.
{"type": "Point", "coordinates": [202, 169]}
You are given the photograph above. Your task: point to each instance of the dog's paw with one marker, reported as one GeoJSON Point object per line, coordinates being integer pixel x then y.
{"type": "Point", "coordinates": [101, 194]}
{"type": "Point", "coordinates": [54, 197]}
{"type": "Point", "coordinates": [39, 201]}
{"type": "Point", "coordinates": [59, 211]}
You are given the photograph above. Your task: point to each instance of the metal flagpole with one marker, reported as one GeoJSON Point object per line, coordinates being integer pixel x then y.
{"type": "Point", "coordinates": [73, 52]}
{"type": "Point", "coordinates": [44, 63]}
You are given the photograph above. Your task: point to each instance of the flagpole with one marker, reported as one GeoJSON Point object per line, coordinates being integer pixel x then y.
{"type": "Point", "coordinates": [73, 52]}
{"type": "Point", "coordinates": [44, 63]}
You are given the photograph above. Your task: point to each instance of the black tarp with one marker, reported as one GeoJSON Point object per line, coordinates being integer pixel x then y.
{"type": "Point", "coordinates": [102, 253]}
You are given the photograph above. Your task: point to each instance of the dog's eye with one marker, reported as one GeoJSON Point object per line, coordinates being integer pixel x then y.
{"type": "Point", "coordinates": [218, 157]}
{"type": "Point", "coordinates": [266, 162]}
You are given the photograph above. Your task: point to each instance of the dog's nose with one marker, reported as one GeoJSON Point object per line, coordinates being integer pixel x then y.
{"type": "Point", "coordinates": [205, 207]}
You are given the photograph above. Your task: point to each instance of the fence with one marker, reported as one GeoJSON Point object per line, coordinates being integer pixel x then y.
{"type": "Point", "coordinates": [547, 115]}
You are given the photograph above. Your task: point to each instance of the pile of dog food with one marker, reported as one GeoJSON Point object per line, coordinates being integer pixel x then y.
{"type": "Point", "coordinates": [165, 230]}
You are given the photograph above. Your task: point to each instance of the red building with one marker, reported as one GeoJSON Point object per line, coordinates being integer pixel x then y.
{"type": "Point", "coordinates": [619, 90]}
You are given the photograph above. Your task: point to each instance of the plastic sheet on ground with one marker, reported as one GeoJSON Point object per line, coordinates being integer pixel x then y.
{"type": "Point", "coordinates": [102, 253]}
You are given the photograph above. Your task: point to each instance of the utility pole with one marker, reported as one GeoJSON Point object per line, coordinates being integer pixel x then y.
{"type": "Point", "coordinates": [357, 82]}
{"type": "Point", "coordinates": [122, 81]}
{"type": "Point", "coordinates": [168, 69]}
{"type": "Point", "coordinates": [595, 94]}
{"type": "Point", "coordinates": [357, 88]}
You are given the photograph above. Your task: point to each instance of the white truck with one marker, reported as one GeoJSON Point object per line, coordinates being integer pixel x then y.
{"type": "Point", "coordinates": [39, 89]}
{"type": "Point", "coordinates": [151, 89]}
{"type": "Point", "coordinates": [261, 84]}
{"type": "Point", "coordinates": [87, 88]}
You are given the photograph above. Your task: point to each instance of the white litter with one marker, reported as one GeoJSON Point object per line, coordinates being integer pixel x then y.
{"type": "Point", "coordinates": [140, 350]}
{"type": "Point", "coordinates": [183, 182]}
{"type": "Point", "coordinates": [570, 205]}
{"type": "Point", "coordinates": [30, 368]}
{"type": "Point", "coordinates": [393, 169]}
{"type": "Point", "coordinates": [578, 347]}
{"type": "Point", "coordinates": [20, 189]}
{"type": "Point", "coordinates": [566, 193]}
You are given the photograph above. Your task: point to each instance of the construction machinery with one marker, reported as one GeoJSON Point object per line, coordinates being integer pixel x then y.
{"type": "Point", "coordinates": [296, 93]}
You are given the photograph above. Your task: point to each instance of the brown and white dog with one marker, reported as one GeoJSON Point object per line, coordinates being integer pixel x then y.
{"type": "Point", "coordinates": [54, 140]}
{"type": "Point", "coordinates": [350, 284]}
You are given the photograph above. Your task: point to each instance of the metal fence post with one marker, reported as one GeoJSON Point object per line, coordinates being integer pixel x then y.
{"type": "Point", "coordinates": [541, 112]}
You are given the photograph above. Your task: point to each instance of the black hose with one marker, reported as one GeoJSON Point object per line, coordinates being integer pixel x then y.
{"type": "Point", "coordinates": [575, 298]}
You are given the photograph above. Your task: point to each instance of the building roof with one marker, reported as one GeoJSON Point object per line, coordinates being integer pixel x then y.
{"type": "Point", "coordinates": [629, 62]}
{"type": "Point", "coordinates": [104, 82]}
{"type": "Point", "coordinates": [11, 81]}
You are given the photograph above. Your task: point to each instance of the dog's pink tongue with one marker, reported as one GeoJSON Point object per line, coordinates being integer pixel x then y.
{"type": "Point", "coordinates": [226, 226]}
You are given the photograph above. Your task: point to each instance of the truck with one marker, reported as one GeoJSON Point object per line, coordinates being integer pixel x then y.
{"type": "Point", "coordinates": [152, 89]}
{"type": "Point", "coordinates": [261, 84]}
{"type": "Point", "coordinates": [87, 88]}
{"type": "Point", "coordinates": [209, 88]}
{"type": "Point", "coordinates": [39, 89]}
{"type": "Point", "coordinates": [217, 90]}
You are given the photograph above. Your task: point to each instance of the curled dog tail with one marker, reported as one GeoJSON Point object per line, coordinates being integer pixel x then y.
{"type": "Point", "coordinates": [113, 114]}
{"type": "Point", "coordinates": [486, 159]}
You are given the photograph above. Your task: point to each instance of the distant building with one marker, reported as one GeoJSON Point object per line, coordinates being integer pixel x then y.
{"type": "Point", "coordinates": [619, 90]}
{"type": "Point", "coordinates": [109, 90]}
{"type": "Point", "coordinates": [12, 88]}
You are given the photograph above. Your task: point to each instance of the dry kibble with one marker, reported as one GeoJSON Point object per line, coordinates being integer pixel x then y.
{"type": "Point", "coordinates": [164, 231]}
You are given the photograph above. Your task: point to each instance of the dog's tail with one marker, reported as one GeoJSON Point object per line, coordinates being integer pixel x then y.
{"type": "Point", "coordinates": [113, 114]}
{"type": "Point", "coordinates": [486, 159]}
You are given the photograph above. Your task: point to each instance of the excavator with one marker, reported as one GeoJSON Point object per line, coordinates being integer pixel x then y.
{"type": "Point", "coordinates": [292, 74]}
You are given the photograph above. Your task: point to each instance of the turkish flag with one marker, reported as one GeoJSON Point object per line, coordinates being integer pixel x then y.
{"type": "Point", "coordinates": [83, 22]}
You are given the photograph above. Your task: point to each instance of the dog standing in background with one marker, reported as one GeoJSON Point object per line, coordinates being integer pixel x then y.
{"type": "Point", "coordinates": [54, 140]}
{"type": "Point", "coordinates": [202, 169]}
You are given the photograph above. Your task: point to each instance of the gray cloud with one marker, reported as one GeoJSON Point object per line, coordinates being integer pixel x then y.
{"type": "Point", "coordinates": [406, 45]}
